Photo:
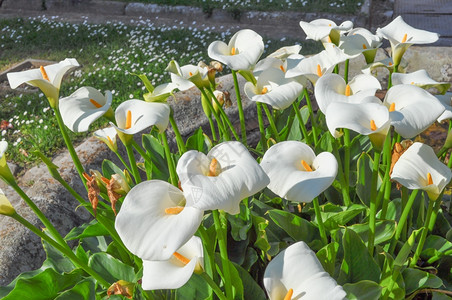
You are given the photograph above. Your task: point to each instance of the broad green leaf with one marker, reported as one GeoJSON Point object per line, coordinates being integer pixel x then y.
{"type": "Point", "coordinates": [145, 81]}
{"type": "Point", "coordinates": [341, 218]}
{"type": "Point", "coordinates": [394, 210]}
{"type": "Point", "coordinates": [195, 288]}
{"type": "Point", "coordinates": [327, 257]}
{"type": "Point", "coordinates": [391, 279]}
{"type": "Point", "coordinates": [440, 296]}
{"type": "Point", "coordinates": [45, 285]}
{"type": "Point", "coordinates": [251, 289]}
{"type": "Point", "coordinates": [5, 290]}
{"type": "Point", "coordinates": [363, 289]}
{"type": "Point", "coordinates": [110, 268]}
{"type": "Point", "coordinates": [236, 280]}
{"type": "Point", "coordinates": [438, 243]}
{"type": "Point", "coordinates": [364, 178]}
{"type": "Point", "coordinates": [85, 289]}
{"type": "Point", "coordinates": [403, 254]}
{"type": "Point", "coordinates": [55, 260]}
{"type": "Point", "coordinates": [357, 264]}
{"type": "Point", "coordinates": [325, 143]}
{"type": "Point", "coordinates": [416, 279]}
{"type": "Point", "coordinates": [240, 223]}
{"type": "Point", "coordinates": [109, 168]}
{"type": "Point", "coordinates": [295, 133]}
{"type": "Point", "coordinates": [156, 152]}
{"type": "Point", "coordinates": [260, 224]}
{"type": "Point", "coordinates": [90, 229]}
{"type": "Point", "coordinates": [384, 230]}
{"type": "Point", "coordinates": [299, 229]}
{"type": "Point", "coordinates": [251, 258]}
{"type": "Point", "coordinates": [199, 141]}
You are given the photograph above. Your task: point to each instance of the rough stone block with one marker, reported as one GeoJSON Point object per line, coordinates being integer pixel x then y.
{"type": "Point", "coordinates": [22, 4]}
{"type": "Point", "coordinates": [86, 6]}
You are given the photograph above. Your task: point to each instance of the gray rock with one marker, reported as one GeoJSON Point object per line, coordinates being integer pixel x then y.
{"type": "Point", "coordinates": [86, 6]}
{"type": "Point", "coordinates": [22, 4]}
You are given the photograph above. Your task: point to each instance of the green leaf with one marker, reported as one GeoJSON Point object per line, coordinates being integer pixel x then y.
{"type": "Point", "coordinates": [5, 290]}
{"type": "Point", "coordinates": [159, 168]}
{"type": "Point", "coordinates": [384, 230]}
{"type": "Point", "coordinates": [299, 229]}
{"type": "Point", "coordinates": [325, 143]}
{"type": "Point", "coordinates": [110, 268]}
{"type": "Point", "coordinates": [45, 285]}
{"type": "Point", "coordinates": [251, 289]}
{"type": "Point", "coordinates": [85, 289]}
{"type": "Point", "coordinates": [236, 280]}
{"type": "Point", "coordinates": [416, 279]}
{"type": "Point", "coordinates": [145, 81]}
{"type": "Point", "coordinates": [363, 184]}
{"type": "Point", "coordinates": [240, 223]}
{"type": "Point", "coordinates": [327, 257]}
{"type": "Point", "coordinates": [260, 224]}
{"type": "Point", "coordinates": [90, 229]}
{"type": "Point", "coordinates": [195, 288]}
{"type": "Point", "coordinates": [357, 264]}
{"type": "Point", "coordinates": [295, 133]}
{"type": "Point", "coordinates": [394, 210]}
{"type": "Point", "coordinates": [438, 246]}
{"type": "Point", "coordinates": [109, 168]}
{"type": "Point", "coordinates": [363, 289]}
{"type": "Point", "coordinates": [199, 141]}
{"type": "Point", "coordinates": [391, 279]}
{"type": "Point", "coordinates": [55, 260]}
{"type": "Point", "coordinates": [341, 218]}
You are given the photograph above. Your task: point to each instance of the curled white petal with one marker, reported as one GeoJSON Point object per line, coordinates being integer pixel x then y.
{"type": "Point", "coordinates": [421, 79]}
{"type": "Point", "coordinates": [446, 101]}
{"type": "Point", "coordinates": [108, 136]}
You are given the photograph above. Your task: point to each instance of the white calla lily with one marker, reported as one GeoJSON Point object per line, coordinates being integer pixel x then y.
{"type": "Point", "coordinates": [175, 272]}
{"type": "Point", "coordinates": [133, 116]}
{"type": "Point", "coordinates": [154, 221]}
{"type": "Point", "coordinates": [368, 118]}
{"type": "Point", "coordinates": [421, 79]}
{"type": "Point", "coordinates": [221, 179]}
{"type": "Point", "coordinates": [361, 40]}
{"type": "Point", "coordinates": [317, 65]}
{"type": "Point", "coordinates": [5, 171]}
{"type": "Point", "coordinates": [332, 88]}
{"type": "Point", "coordinates": [160, 92]}
{"type": "Point", "coordinates": [401, 36]}
{"type": "Point", "coordinates": [321, 29]}
{"type": "Point", "coordinates": [187, 76]}
{"type": "Point", "coordinates": [297, 271]}
{"type": "Point", "coordinates": [446, 101]}
{"type": "Point", "coordinates": [83, 107]}
{"type": "Point", "coordinates": [419, 168]}
{"type": "Point", "coordinates": [284, 52]}
{"type": "Point", "coordinates": [5, 206]}
{"type": "Point", "coordinates": [412, 109]}
{"type": "Point", "coordinates": [108, 136]}
{"type": "Point", "coordinates": [273, 88]}
{"type": "Point", "coordinates": [47, 79]}
{"type": "Point", "coordinates": [296, 173]}
{"type": "Point", "coordinates": [241, 53]}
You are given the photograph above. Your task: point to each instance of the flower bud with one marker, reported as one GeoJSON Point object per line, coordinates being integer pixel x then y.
{"type": "Point", "coordinates": [5, 206]}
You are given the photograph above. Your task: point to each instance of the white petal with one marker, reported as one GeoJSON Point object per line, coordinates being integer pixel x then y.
{"type": "Point", "coordinates": [144, 115]}
{"type": "Point", "coordinates": [3, 148]}
{"type": "Point", "coordinates": [79, 113]}
{"type": "Point", "coordinates": [108, 136]}
{"type": "Point", "coordinates": [415, 109]}
{"type": "Point", "coordinates": [289, 180]}
{"type": "Point", "coordinates": [421, 79]}
{"type": "Point", "coordinates": [145, 228]}
{"type": "Point", "coordinates": [446, 101]}
{"type": "Point", "coordinates": [321, 28]}
{"type": "Point", "coordinates": [284, 52]}
{"type": "Point", "coordinates": [241, 176]}
{"type": "Point", "coordinates": [396, 30]}
{"type": "Point", "coordinates": [298, 268]}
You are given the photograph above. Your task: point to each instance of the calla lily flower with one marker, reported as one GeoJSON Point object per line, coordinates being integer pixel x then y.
{"type": "Point", "coordinates": [187, 76]}
{"type": "Point", "coordinates": [412, 109]}
{"type": "Point", "coordinates": [296, 173]}
{"type": "Point", "coordinates": [320, 29]}
{"type": "Point", "coordinates": [332, 88]}
{"type": "Point", "coordinates": [175, 272]}
{"type": "Point", "coordinates": [284, 52]}
{"type": "Point", "coordinates": [296, 273]}
{"type": "Point", "coordinates": [160, 92]}
{"type": "Point", "coordinates": [83, 107]}
{"type": "Point", "coordinates": [5, 171]}
{"type": "Point", "coordinates": [108, 136]}
{"type": "Point", "coordinates": [446, 101]}
{"type": "Point", "coordinates": [401, 36]}
{"type": "Point", "coordinates": [386, 63]}
{"type": "Point", "coordinates": [361, 40]}
{"type": "Point", "coordinates": [273, 88]}
{"type": "Point", "coordinates": [369, 118]}
{"type": "Point", "coordinates": [241, 53]}
{"type": "Point", "coordinates": [221, 179]}
{"type": "Point", "coordinates": [5, 206]}
{"type": "Point", "coordinates": [47, 79]}
{"type": "Point", "coordinates": [419, 168]}
{"type": "Point", "coordinates": [154, 220]}
{"type": "Point", "coordinates": [421, 79]}
{"type": "Point", "coordinates": [317, 65]}
{"type": "Point", "coordinates": [133, 116]}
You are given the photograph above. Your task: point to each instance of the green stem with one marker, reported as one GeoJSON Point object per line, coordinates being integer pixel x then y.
{"type": "Point", "coordinates": [319, 220]}
{"type": "Point", "coordinates": [435, 212]}
{"type": "Point", "coordinates": [301, 123]}
{"type": "Point", "coordinates": [240, 107]}
{"type": "Point", "coordinates": [261, 126]}
{"type": "Point", "coordinates": [179, 140]}
{"type": "Point", "coordinates": [402, 220]}
{"type": "Point", "coordinates": [212, 128]}
{"type": "Point", "coordinates": [373, 204]}
{"type": "Point", "coordinates": [214, 286]}
{"type": "Point", "coordinates": [404, 201]}
{"type": "Point", "coordinates": [64, 250]}
{"type": "Point", "coordinates": [347, 61]}
{"type": "Point", "coordinates": [123, 161]}
{"type": "Point", "coordinates": [171, 168]}
{"type": "Point", "coordinates": [224, 115]}
{"type": "Point", "coordinates": [70, 147]}
{"type": "Point", "coordinates": [340, 173]}
{"type": "Point", "coordinates": [347, 160]}
{"type": "Point", "coordinates": [272, 122]}
{"type": "Point", "coordinates": [420, 245]}
{"type": "Point", "coordinates": [222, 243]}
{"type": "Point", "coordinates": [142, 152]}
{"type": "Point", "coordinates": [386, 181]}
{"type": "Point", "coordinates": [311, 115]}
{"type": "Point", "coordinates": [214, 112]}
{"type": "Point", "coordinates": [133, 163]}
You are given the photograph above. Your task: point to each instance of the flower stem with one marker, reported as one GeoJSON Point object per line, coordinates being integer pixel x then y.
{"type": "Point", "coordinates": [402, 220]}
{"type": "Point", "coordinates": [425, 231]}
{"type": "Point", "coordinates": [171, 168]}
{"type": "Point", "coordinates": [214, 286]}
{"type": "Point", "coordinates": [261, 125]}
{"type": "Point", "coordinates": [240, 107]}
{"type": "Point", "coordinates": [123, 161]}
{"type": "Point", "coordinates": [347, 160]}
{"type": "Point", "coordinates": [70, 147]}
{"type": "Point", "coordinates": [64, 250]}
{"type": "Point", "coordinates": [133, 163]}
{"type": "Point", "coordinates": [212, 128]}
{"type": "Point", "coordinates": [301, 123]}
{"type": "Point", "coordinates": [347, 61]}
{"type": "Point", "coordinates": [272, 122]}
{"type": "Point", "coordinates": [225, 116]}
{"type": "Point", "coordinates": [311, 115]}
{"type": "Point", "coordinates": [319, 220]}
{"type": "Point", "coordinates": [215, 114]}
{"type": "Point", "coordinates": [340, 173]}
{"type": "Point", "coordinates": [373, 204]}
{"type": "Point", "coordinates": [222, 243]}
{"type": "Point", "coordinates": [179, 140]}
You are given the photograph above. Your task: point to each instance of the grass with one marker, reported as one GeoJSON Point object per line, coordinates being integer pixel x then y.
{"type": "Point", "coordinates": [237, 6]}
{"type": "Point", "coordinates": [107, 53]}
